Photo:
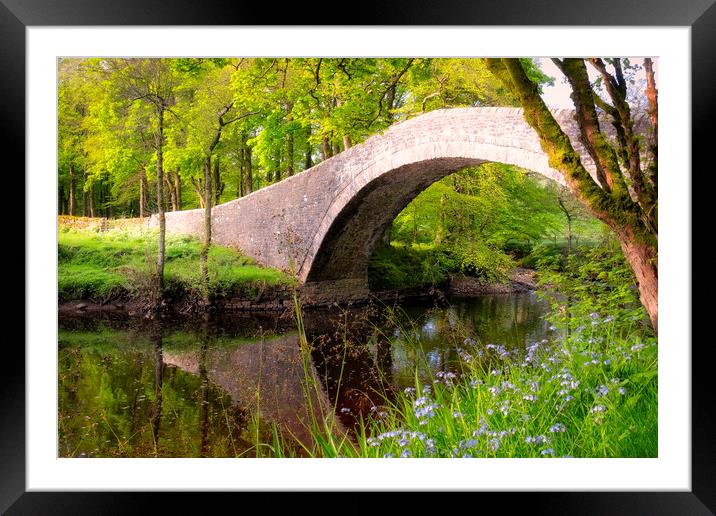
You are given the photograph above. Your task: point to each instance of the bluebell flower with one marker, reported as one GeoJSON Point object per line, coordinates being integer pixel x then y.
{"type": "Point", "coordinates": [557, 427]}
{"type": "Point", "coordinates": [419, 402]}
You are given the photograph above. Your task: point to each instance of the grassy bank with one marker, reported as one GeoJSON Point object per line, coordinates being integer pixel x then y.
{"type": "Point", "coordinates": [591, 395]}
{"type": "Point", "coordinates": [590, 392]}
{"type": "Point", "coordinates": [118, 263]}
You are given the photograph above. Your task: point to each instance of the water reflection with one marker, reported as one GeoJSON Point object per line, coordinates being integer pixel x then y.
{"type": "Point", "coordinates": [265, 377]}
{"type": "Point", "coordinates": [217, 389]}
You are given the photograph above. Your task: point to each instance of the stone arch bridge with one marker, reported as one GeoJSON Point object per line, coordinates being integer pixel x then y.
{"type": "Point", "coordinates": [322, 224]}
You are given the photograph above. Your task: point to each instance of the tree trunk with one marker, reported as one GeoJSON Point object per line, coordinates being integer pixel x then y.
{"type": "Point", "coordinates": [643, 260]}
{"type": "Point", "coordinates": [143, 194]}
{"type": "Point", "coordinates": [90, 201]}
{"type": "Point", "coordinates": [289, 141]}
{"type": "Point", "coordinates": [308, 162]}
{"type": "Point", "coordinates": [84, 204]}
{"type": "Point", "coordinates": [61, 200]}
{"type": "Point", "coordinates": [346, 142]}
{"type": "Point", "coordinates": [204, 391]}
{"type": "Point", "coordinates": [156, 335]}
{"type": "Point", "coordinates": [177, 189]}
{"type": "Point", "coordinates": [325, 148]}
{"type": "Point", "coordinates": [160, 205]}
{"type": "Point", "coordinates": [289, 154]}
{"type": "Point", "coordinates": [651, 95]}
{"type": "Point", "coordinates": [198, 190]}
{"type": "Point", "coordinates": [217, 185]}
{"type": "Point", "coordinates": [72, 191]}
{"type": "Point", "coordinates": [204, 255]}
{"type": "Point", "coordinates": [389, 103]}
{"type": "Point", "coordinates": [242, 166]}
{"type": "Point", "coordinates": [440, 231]}
{"type": "Point", "coordinates": [276, 164]}
{"type": "Point", "coordinates": [172, 193]}
{"type": "Point", "coordinates": [568, 216]}
{"type": "Point", "coordinates": [248, 179]}
{"type": "Point", "coordinates": [103, 198]}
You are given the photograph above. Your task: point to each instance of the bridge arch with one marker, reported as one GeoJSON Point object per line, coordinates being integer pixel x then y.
{"type": "Point", "coordinates": [322, 224]}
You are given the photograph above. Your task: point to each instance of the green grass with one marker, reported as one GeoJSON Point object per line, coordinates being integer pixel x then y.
{"type": "Point", "coordinates": [119, 263]}
{"type": "Point", "coordinates": [591, 395]}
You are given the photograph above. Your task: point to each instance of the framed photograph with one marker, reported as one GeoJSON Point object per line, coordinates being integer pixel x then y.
{"type": "Point", "coordinates": [39, 474]}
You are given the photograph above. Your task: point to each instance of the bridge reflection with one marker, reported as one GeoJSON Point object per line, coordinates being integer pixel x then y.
{"type": "Point", "coordinates": [343, 379]}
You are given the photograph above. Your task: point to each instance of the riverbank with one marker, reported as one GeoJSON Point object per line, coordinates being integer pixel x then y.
{"type": "Point", "coordinates": [106, 271]}
{"type": "Point", "coordinates": [279, 298]}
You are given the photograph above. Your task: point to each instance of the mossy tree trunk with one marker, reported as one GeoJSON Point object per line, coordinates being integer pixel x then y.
{"type": "Point", "coordinates": [160, 202]}
{"type": "Point", "coordinates": [623, 194]}
{"type": "Point", "coordinates": [204, 254]}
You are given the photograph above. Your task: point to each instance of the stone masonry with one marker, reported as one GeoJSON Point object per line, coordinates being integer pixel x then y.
{"type": "Point", "coordinates": [321, 225]}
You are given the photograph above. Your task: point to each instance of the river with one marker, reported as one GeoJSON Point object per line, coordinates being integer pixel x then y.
{"type": "Point", "coordinates": [225, 387]}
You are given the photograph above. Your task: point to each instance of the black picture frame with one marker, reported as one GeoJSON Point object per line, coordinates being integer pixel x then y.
{"type": "Point", "coordinates": [699, 15]}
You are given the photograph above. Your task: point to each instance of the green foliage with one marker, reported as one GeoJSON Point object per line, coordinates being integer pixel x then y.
{"type": "Point", "coordinates": [478, 222]}
{"type": "Point", "coordinates": [480, 260]}
{"type": "Point", "coordinates": [544, 257]}
{"type": "Point", "coordinates": [595, 282]}
{"type": "Point", "coordinates": [289, 112]}
{"type": "Point", "coordinates": [396, 267]}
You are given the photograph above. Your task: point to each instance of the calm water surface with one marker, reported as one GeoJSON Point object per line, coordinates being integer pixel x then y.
{"type": "Point", "coordinates": [217, 389]}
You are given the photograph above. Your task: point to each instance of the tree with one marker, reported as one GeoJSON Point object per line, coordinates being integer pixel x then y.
{"type": "Point", "coordinates": [212, 110]}
{"type": "Point", "coordinates": [623, 194]}
{"type": "Point", "coordinates": [150, 81]}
